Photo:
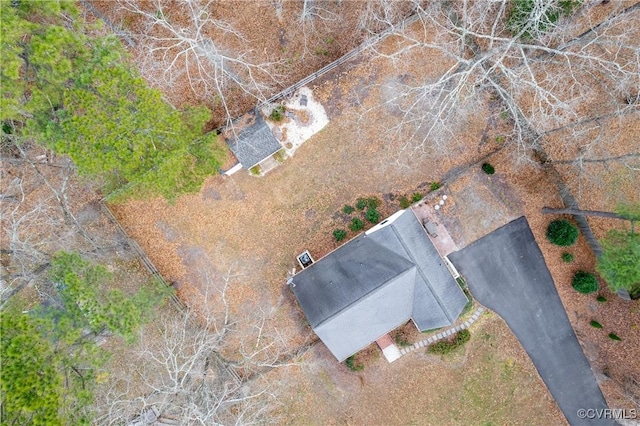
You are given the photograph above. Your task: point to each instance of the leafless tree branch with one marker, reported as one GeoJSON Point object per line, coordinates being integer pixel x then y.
{"type": "Point", "coordinates": [194, 45]}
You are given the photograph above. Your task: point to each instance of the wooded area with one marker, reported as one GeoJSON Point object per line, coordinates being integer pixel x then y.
{"type": "Point", "coordinates": [85, 119]}
{"type": "Point", "coordinates": [76, 94]}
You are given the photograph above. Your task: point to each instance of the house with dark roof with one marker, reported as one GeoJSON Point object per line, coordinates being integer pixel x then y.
{"type": "Point", "coordinates": [375, 283]}
{"type": "Point", "coordinates": [252, 143]}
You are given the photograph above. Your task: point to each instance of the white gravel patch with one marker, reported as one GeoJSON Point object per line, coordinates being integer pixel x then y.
{"type": "Point", "coordinates": [301, 122]}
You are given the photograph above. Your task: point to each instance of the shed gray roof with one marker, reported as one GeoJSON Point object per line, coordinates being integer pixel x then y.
{"type": "Point", "coordinates": [254, 143]}
{"type": "Point", "coordinates": [375, 283]}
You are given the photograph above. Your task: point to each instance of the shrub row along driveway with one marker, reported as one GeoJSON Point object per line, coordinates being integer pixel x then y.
{"type": "Point", "coordinates": [507, 273]}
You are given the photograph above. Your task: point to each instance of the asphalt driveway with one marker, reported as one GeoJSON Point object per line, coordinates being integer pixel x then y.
{"type": "Point", "coordinates": [506, 272]}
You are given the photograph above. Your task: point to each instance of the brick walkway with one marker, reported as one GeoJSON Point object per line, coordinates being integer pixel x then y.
{"type": "Point", "coordinates": [389, 349]}
{"type": "Point", "coordinates": [384, 341]}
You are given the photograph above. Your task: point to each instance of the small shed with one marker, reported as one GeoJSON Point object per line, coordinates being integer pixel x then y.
{"type": "Point", "coordinates": [251, 140]}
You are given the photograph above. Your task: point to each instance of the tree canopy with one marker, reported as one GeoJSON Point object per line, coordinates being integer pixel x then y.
{"type": "Point", "coordinates": [114, 126]}
{"type": "Point", "coordinates": [619, 264]}
{"type": "Point", "coordinates": [629, 211]}
{"type": "Point", "coordinates": [91, 302]}
{"type": "Point", "coordinates": [50, 363]}
{"type": "Point", "coordinates": [39, 55]}
{"type": "Point", "coordinates": [47, 370]}
{"type": "Point", "coordinates": [77, 95]}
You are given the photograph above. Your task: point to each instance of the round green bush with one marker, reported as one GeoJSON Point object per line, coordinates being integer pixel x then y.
{"type": "Point", "coordinates": [347, 209]}
{"type": "Point", "coordinates": [595, 324]}
{"type": "Point", "coordinates": [356, 224]}
{"type": "Point", "coordinates": [434, 186]}
{"type": "Point", "coordinates": [567, 257]}
{"type": "Point", "coordinates": [488, 168]}
{"type": "Point", "coordinates": [361, 203]}
{"type": "Point", "coordinates": [277, 114]}
{"type": "Point", "coordinates": [353, 365]}
{"type": "Point", "coordinates": [339, 234]}
{"type": "Point", "coordinates": [372, 215]}
{"type": "Point", "coordinates": [614, 336]}
{"type": "Point", "coordinates": [373, 202]}
{"type": "Point", "coordinates": [562, 233]}
{"type": "Point", "coordinates": [585, 282]}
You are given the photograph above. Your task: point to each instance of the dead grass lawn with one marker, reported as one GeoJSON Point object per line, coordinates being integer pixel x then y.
{"type": "Point", "coordinates": [255, 227]}
{"type": "Point", "coordinates": [489, 381]}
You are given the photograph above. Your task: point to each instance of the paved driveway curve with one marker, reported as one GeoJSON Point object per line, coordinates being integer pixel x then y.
{"type": "Point", "coordinates": [506, 272]}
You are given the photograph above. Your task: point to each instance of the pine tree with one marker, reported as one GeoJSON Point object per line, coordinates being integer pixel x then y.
{"type": "Point", "coordinates": [77, 95]}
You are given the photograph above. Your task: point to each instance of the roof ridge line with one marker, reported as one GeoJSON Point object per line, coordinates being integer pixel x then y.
{"type": "Point", "coordinates": [427, 282]}
{"type": "Point", "coordinates": [366, 295]}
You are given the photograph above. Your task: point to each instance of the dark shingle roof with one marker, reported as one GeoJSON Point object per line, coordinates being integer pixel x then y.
{"type": "Point", "coordinates": [376, 282]}
{"type": "Point", "coordinates": [346, 276]}
{"type": "Point", "coordinates": [254, 143]}
{"type": "Point", "coordinates": [436, 299]}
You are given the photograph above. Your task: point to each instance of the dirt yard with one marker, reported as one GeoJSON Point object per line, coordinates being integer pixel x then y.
{"type": "Point", "coordinates": [252, 229]}
{"type": "Point", "coordinates": [257, 225]}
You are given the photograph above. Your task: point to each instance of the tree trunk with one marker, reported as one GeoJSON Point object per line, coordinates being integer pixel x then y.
{"type": "Point", "coordinates": [579, 212]}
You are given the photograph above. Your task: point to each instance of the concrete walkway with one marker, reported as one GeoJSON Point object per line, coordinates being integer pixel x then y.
{"type": "Point", "coordinates": [392, 353]}
{"type": "Point", "coordinates": [444, 334]}
{"type": "Point", "coordinates": [389, 349]}
{"type": "Point", "coordinates": [268, 164]}
{"type": "Point", "coordinates": [506, 272]}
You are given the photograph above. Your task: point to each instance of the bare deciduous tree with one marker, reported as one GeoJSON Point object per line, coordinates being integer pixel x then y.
{"type": "Point", "coordinates": [45, 208]}
{"type": "Point", "coordinates": [185, 370]}
{"type": "Point", "coordinates": [546, 73]}
{"type": "Point", "coordinates": [316, 10]}
{"type": "Point", "coordinates": [36, 216]}
{"type": "Point", "coordinates": [209, 53]}
{"type": "Point", "coordinates": [379, 16]}
{"type": "Point", "coordinates": [314, 13]}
